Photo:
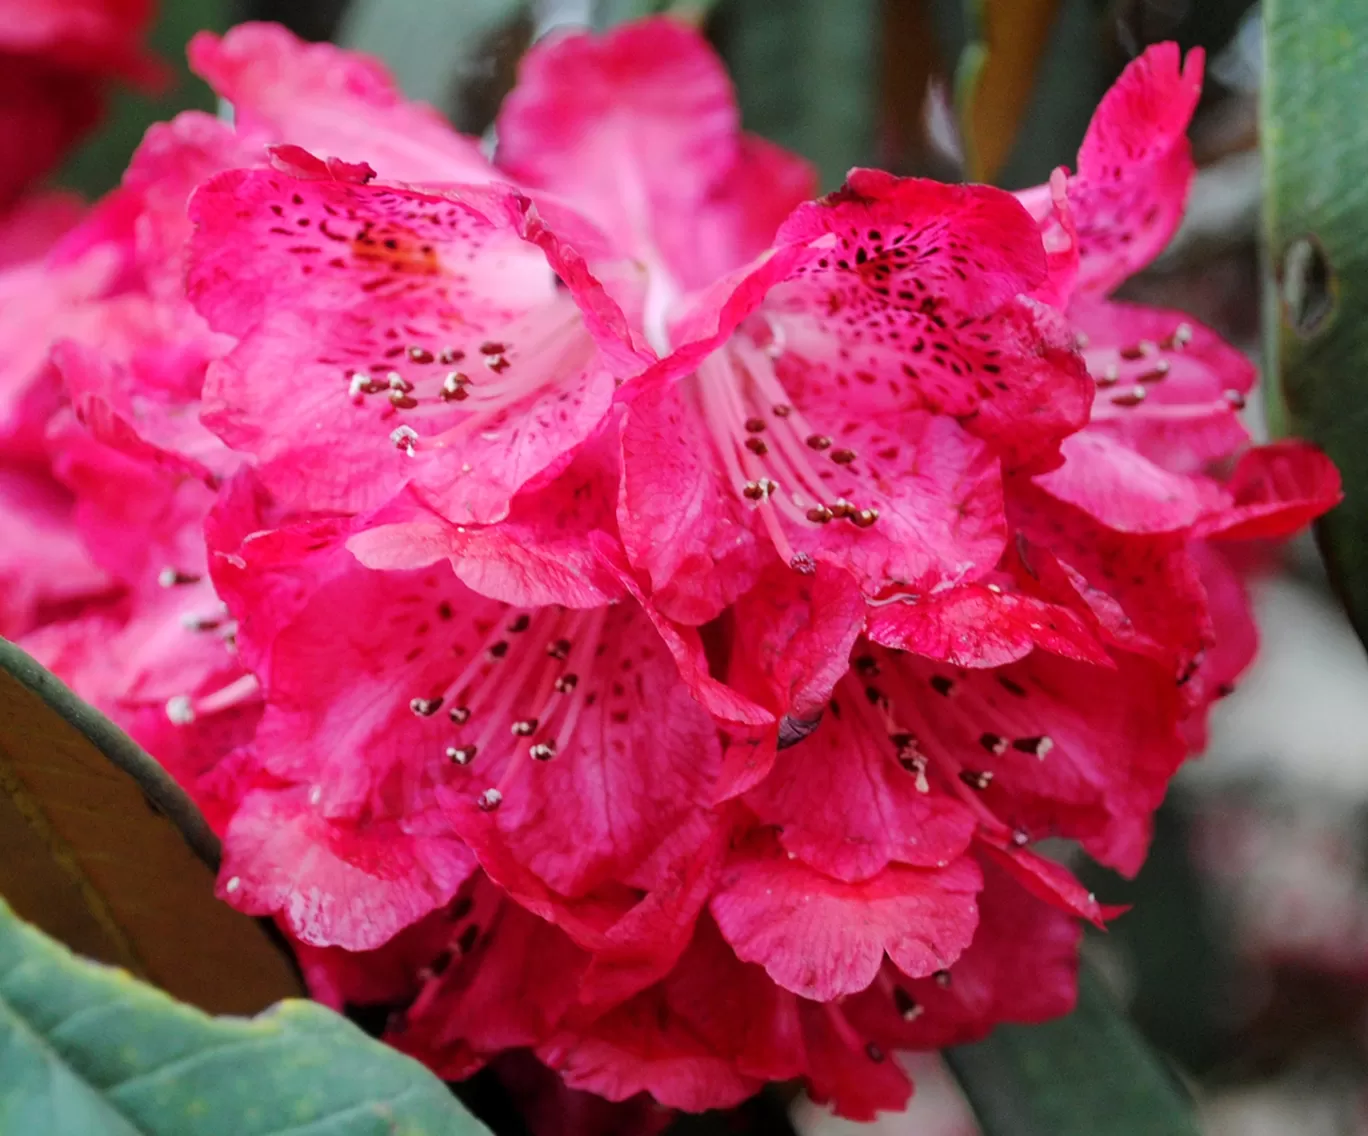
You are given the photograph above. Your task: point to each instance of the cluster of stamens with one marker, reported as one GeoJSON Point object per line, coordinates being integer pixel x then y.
{"type": "Point", "coordinates": [486, 693]}
{"type": "Point", "coordinates": [1157, 368]}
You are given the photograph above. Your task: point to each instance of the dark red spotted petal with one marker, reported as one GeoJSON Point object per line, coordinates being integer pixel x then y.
{"type": "Point", "coordinates": [1135, 166]}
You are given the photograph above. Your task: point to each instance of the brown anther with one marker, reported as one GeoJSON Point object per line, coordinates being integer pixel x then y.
{"type": "Point", "coordinates": [865, 518]}
{"type": "Point", "coordinates": [819, 515]}
{"type": "Point", "coordinates": [755, 425]}
{"type": "Point", "coordinates": [524, 727]}
{"type": "Point", "coordinates": [1038, 746]}
{"type": "Point", "coordinates": [1234, 399]}
{"type": "Point", "coordinates": [1159, 371]}
{"type": "Point", "coordinates": [396, 382]}
{"type": "Point", "coordinates": [522, 623]}
{"type": "Point", "coordinates": [450, 355]}
{"type": "Point", "coordinates": [843, 457]}
{"type": "Point", "coordinates": [459, 714]}
{"type": "Point", "coordinates": [499, 649]}
{"type": "Point", "coordinates": [1133, 397]}
{"type": "Point", "coordinates": [558, 649]}
{"type": "Point", "coordinates": [975, 778]}
{"type": "Point", "coordinates": [874, 1053]}
{"type": "Point", "coordinates": [842, 508]}
{"type": "Point", "coordinates": [783, 410]}
{"type": "Point", "coordinates": [1181, 337]}
{"type": "Point", "coordinates": [942, 685]}
{"type": "Point", "coordinates": [491, 347]}
{"type": "Point", "coordinates": [770, 487]}
{"type": "Point", "coordinates": [566, 683]}
{"type": "Point", "coordinates": [994, 744]}
{"type": "Point", "coordinates": [757, 447]}
{"type": "Point", "coordinates": [542, 751]}
{"type": "Point", "coordinates": [1140, 350]}
{"type": "Point", "coordinates": [818, 442]}
{"type": "Point", "coordinates": [753, 491]}
{"type": "Point", "coordinates": [942, 978]}
{"type": "Point", "coordinates": [497, 363]}
{"type": "Point", "coordinates": [908, 1008]}
{"type": "Point", "coordinates": [420, 355]}
{"type": "Point", "coordinates": [454, 387]}
{"type": "Point", "coordinates": [461, 755]}
{"type": "Point", "coordinates": [425, 707]}
{"type": "Point", "coordinates": [1110, 375]}
{"type": "Point", "coordinates": [401, 401]}
{"type": "Point", "coordinates": [489, 800]}
{"type": "Point", "coordinates": [866, 665]}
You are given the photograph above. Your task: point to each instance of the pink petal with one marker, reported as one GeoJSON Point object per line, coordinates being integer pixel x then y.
{"type": "Point", "coordinates": [539, 554]}
{"type": "Point", "coordinates": [172, 159]}
{"type": "Point", "coordinates": [359, 292]}
{"type": "Point", "coordinates": [856, 1078]}
{"type": "Point", "coordinates": [1109, 481]}
{"type": "Point", "coordinates": [708, 1036]}
{"type": "Point", "coordinates": [679, 522]}
{"type": "Point", "coordinates": [1275, 490]}
{"type": "Point", "coordinates": [33, 225]}
{"type": "Point", "coordinates": [1143, 590]}
{"type": "Point", "coordinates": [915, 303]}
{"type": "Point", "coordinates": [1135, 166]}
{"type": "Point", "coordinates": [1193, 383]}
{"type": "Point", "coordinates": [843, 804]}
{"type": "Point", "coordinates": [1049, 746]}
{"type": "Point", "coordinates": [639, 129]}
{"type": "Point", "coordinates": [983, 626]}
{"type": "Point", "coordinates": [353, 884]}
{"type": "Point", "coordinates": [43, 563]}
{"type": "Point", "coordinates": [506, 980]}
{"type": "Point", "coordinates": [1021, 967]}
{"type": "Point", "coordinates": [792, 636]}
{"type": "Point", "coordinates": [822, 938]}
{"type": "Point", "coordinates": [333, 101]}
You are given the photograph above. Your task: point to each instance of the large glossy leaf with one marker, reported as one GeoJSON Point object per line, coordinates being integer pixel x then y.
{"type": "Point", "coordinates": [100, 848]}
{"type": "Point", "coordinates": [1084, 1075]}
{"type": "Point", "coordinates": [86, 1050]}
{"type": "Point", "coordinates": [1315, 144]}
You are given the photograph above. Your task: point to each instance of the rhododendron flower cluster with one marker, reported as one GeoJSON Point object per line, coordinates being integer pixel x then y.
{"type": "Point", "coordinates": [614, 604]}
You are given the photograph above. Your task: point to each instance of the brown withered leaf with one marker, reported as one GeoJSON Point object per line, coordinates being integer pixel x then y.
{"type": "Point", "coordinates": [103, 850]}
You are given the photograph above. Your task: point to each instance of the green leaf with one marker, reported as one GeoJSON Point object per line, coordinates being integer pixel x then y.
{"type": "Point", "coordinates": [1084, 1075]}
{"type": "Point", "coordinates": [1315, 149]}
{"type": "Point", "coordinates": [806, 74]}
{"type": "Point", "coordinates": [100, 847]}
{"type": "Point", "coordinates": [87, 1050]}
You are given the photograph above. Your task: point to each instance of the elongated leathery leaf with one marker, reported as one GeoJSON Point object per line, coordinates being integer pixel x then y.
{"type": "Point", "coordinates": [101, 848]}
{"type": "Point", "coordinates": [1315, 143]}
{"type": "Point", "coordinates": [1084, 1075]}
{"type": "Point", "coordinates": [87, 1050]}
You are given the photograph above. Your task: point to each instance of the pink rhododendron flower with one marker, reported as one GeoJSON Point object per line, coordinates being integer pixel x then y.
{"type": "Point", "coordinates": [613, 607]}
